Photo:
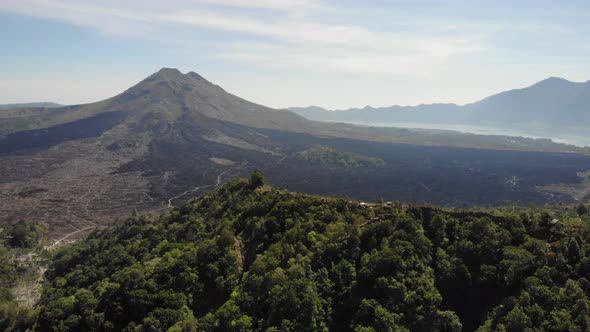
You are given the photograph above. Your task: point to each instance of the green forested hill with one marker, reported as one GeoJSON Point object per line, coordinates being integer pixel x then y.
{"type": "Point", "coordinates": [249, 257]}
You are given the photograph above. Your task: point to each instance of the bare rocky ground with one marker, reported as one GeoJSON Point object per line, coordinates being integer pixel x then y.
{"type": "Point", "coordinates": [73, 186]}
{"type": "Point", "coordinates": [580, 191]}
{"type": "Point", "coordinates": [29, 285]}
{"type": "Point", "coordinates": [174, 136]}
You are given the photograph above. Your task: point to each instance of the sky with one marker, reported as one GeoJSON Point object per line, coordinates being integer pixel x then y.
{"type": "Point", "coordinates": [281, 53]}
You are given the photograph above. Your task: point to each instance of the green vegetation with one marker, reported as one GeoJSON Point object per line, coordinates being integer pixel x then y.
{"type": "Point", "coordinates": [582, 209]}
{"type": "Point", "coordinates": [7, 267]}
{"type": "Point", "coordinates": [26, 234]}
{"type": "Point", "coordinates": [257, 179]}
{"type": "Point", "coordinates": [17, 241]}
{"type": "Point", "coordinates": [249, 257]}
{"type": "Point", "coordinates": [328, 156]}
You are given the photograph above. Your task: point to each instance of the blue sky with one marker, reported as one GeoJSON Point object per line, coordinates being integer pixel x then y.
{"type": "Point", "coordinates": [280, 53]}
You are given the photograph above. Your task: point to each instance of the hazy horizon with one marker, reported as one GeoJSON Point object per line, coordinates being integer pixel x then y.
{"type": "Point", "coordinates": [285, 53]}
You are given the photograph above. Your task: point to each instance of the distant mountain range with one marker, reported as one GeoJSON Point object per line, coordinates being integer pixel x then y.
{"type": "Point", "coordinates": [25, 105]}
{"type": "Point", "coordinates": [554, 105]}
{"type": "Point", "coordinates": [175, 135]}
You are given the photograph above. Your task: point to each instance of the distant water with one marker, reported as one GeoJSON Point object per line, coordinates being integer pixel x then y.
{"type": "Point", "coordinates": [559, 138]}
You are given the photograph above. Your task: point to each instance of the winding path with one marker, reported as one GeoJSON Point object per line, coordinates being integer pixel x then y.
{"type": "Point", "coordinates": [58, 241]}
{"type": "Point", "coordinates": [217, 183]}
{"type": "Point", "coordinates": [170, 205]}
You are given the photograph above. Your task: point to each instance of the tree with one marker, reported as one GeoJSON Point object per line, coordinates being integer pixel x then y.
{"type": "Point", "coordinates": [517, 320]}
{"type": "Point", "coordinates": [257, 179]}
{"type": "Point", "coordinates": [26, 234]}
{"type": "Point", "coordinates": [582, 209]}
{"type": "Point", "coordinates": [240, 259]}
{"type": "Point", "coordinates": [573, 252]}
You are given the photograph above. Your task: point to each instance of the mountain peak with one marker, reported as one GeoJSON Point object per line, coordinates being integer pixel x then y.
{"type": "Point", "coordinates": [555, 78]}
{"type": "Point", "coordinates": [553, 81]}
{"type": "Point", "coordinates": [169, 70]}
{"type": "Point", "coordinates": [174, 93]}
{"type": "Point", "coordinates": [175, 75]}
{"type": "Point", "coordinates": [167, 74]}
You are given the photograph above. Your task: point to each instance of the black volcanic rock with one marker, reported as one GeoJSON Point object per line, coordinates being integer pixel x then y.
{"type": "Point", "coordinates": [175, 135]}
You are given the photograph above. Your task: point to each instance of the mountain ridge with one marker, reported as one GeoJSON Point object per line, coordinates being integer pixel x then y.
{"type": "Point", "coordinates": [172, 134]}
{"type": "Point", "coordinates": [541, 82]}
{"type": "Point", "coordinates": [554, 105]}
{"type": "Point", "coordinates": [168, 94]}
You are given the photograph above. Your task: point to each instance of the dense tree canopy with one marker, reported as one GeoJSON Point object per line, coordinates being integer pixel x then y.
{"type": "Point", "coordinates": [582, 209]}
{"type": "Point", "coordinates": [248, 257]}
{"type": "Point", "coordinates": [26, 234]}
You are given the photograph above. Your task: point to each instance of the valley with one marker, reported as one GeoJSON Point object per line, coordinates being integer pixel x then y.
{"type": "Point", "coordinates": [175, 135]}
{"type": "Point", "coordinates": [155, 178]}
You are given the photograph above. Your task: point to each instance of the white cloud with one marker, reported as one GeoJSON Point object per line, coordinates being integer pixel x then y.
{"type": "Point", "coordinates": [330, 52]}
{"type": "Point", "coordinates": [324, 35]}
{"type": "Point", "coordinates": [284, 5]}
{"type": "Point", "coordinates": [104, 19]}
{"type": "Point", "coordinates": [290, 41]}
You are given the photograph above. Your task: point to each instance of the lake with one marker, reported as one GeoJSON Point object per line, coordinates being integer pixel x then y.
{"type": "Point", "coordinates": [481, 130]}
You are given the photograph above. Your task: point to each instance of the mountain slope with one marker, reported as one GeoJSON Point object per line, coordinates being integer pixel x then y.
{"type": "Point", "coordinates": [370, 115]}
{"type": "Point", "coordinates": [172, 135]}
{"type": "Point", "coordinates": [551, 106]}
{"type": "Point", "coordinates": [170, 94]}
{"type": "Point", "coordinates": [191, 93]}
{"type": "Point", "coordinates": [249, 257]}
{"type": "Point", "coordinates": [538, 105]}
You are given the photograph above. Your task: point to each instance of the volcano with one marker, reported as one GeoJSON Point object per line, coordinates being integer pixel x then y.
{"type": "Point", "coordinates": [174, 136]}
